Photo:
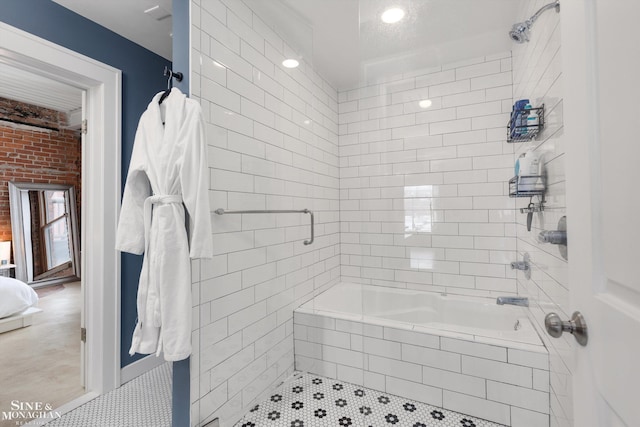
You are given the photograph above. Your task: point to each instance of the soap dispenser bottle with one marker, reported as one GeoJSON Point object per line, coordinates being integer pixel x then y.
{"type": "Point", "coordinates": [529, 166]}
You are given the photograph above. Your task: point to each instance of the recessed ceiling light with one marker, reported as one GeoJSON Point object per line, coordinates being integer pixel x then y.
{"type": "Point", "coordinates": [157, 12]}
{"type": "Point", "coordinates": [425, 103]}
{"type": "Point", "coordinates": [392, 15]}
{"type": "Point", "coordinates": [290, 63]}
{"type": "Point", "coordinates": [307, 122]}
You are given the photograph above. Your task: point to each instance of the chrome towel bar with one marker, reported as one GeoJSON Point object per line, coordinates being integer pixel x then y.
{"type": "Point", "coordinates": [221, 211]}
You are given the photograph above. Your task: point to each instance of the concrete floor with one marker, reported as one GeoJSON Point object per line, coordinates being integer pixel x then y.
{"type": "Point", "coordinates": [41, 363]}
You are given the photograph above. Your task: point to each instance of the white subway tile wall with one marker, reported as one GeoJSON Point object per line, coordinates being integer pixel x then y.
{"type": "Point", "coordinates": [423, 196]}
{"type": "Point", "coordinates": [500, 384]}
{"type": "Point", "coordinates": [537, 76]}
{"type": "Point", "coordinates": [404, 196]}
{"type": "Point", "coordinates": [273, 144]}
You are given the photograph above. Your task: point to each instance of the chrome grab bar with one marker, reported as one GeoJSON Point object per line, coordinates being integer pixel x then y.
{"type": "Point", "coordinates": [221, 211]}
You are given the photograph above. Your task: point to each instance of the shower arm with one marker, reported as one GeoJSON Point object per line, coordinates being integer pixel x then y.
{"type": "Point", "coordinates": [555, 4]}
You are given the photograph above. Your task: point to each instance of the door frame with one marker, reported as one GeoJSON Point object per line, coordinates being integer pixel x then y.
{"type": "Point", "coordinates": [101, 182]}
{"type": "Point", "coordinates": [582, 189]}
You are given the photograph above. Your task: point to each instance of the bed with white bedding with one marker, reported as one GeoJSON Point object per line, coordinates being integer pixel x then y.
{"type": "Point", "coordinates": [17, 304]}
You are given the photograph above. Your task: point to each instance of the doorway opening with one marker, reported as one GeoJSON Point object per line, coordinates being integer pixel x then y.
{"type": "Point", "coordinates": [98, 262]}
{"type": "Point", "coordinates": [40, 203]}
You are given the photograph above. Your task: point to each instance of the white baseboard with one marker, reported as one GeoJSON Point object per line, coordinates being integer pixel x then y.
{"type": "Point", "coordinates": [139, 367]}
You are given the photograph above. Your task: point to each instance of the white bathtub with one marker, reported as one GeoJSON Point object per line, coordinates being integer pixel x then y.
{"type": "Point", "coordinates": [460, 353]}
{"type": "Point", "coordinates": [478, 319]}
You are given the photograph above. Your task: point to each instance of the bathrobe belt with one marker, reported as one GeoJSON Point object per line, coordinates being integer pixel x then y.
{"type": "Point", "coordinates": [158, 199]}
{"type": "Point", "coordinates": [148, 208]}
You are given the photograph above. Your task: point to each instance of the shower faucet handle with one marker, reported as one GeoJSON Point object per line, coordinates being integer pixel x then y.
{"type": "Point", "coordinates": [524, 265]}
{"type": "Point", "coordinates": [520, 265]}
{"type": "Point", "coordinates": [555, 237]}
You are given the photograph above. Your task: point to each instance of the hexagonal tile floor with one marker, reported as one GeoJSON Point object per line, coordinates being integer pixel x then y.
{"type": "Point", "coordinates": [307, 400]}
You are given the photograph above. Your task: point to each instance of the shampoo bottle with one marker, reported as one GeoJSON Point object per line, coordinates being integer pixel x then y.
{"type": "Point", "coordinates": [533, 120]}
{"type": "Point", "coordinates": [517, 117]}
{"type": "Point", "coordinates": [524, 119]}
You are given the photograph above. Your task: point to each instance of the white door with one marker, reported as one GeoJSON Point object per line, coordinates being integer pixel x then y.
{"type": "Point", "coordinates": [601, 66]}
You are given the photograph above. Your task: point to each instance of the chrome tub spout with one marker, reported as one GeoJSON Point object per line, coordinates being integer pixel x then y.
{"type": "Point", "coordinates": [521, 301]}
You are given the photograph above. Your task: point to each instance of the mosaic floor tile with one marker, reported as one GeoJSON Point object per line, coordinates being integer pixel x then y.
{"type": "Point", "coordinates": [142, 402]}
{"type": "Point", "coordinates": [307, 400]}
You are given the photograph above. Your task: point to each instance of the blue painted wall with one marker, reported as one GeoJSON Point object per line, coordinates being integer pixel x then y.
{"type": "Point", "coordinates": [141, 79]}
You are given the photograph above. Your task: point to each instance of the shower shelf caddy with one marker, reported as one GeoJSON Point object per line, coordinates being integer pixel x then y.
{"type": "Point", "coordinates": [527, 132]}
{"type": "Point", "coordinates": [517, 183]}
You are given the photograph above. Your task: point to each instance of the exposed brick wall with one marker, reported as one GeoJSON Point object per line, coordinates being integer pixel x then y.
{"type": "Point", "coordinates": [28, 154]}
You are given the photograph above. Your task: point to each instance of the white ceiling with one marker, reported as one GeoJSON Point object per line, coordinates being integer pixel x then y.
{"type": "Point", "coordinates": [127, 18]}
{"type": "Point", "coordinates": [24, 86]}
{"type": "Point", "coordinates": [351, 44]}
{"type": "Point", "coordinates": [345, 40]}
{"type": "Point", "coordinates": [334, 35]}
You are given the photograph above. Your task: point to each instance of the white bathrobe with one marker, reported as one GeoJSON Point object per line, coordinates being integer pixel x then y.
{"type": "Point", "coordinates": [168, 175]}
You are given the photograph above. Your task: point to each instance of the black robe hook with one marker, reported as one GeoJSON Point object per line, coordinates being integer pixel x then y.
{"type": "Point", "coordinates": [171, 75]}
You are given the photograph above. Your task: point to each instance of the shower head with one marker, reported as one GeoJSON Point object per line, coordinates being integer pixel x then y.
{"type": "Point", "coordinates": [520, 32]}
